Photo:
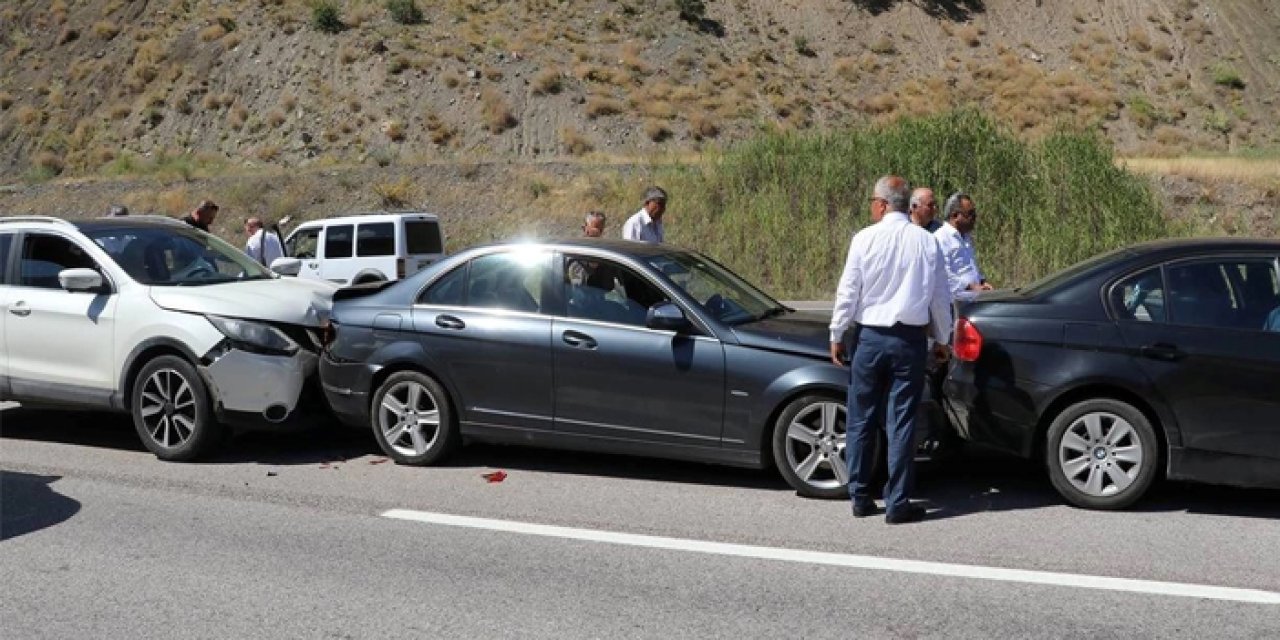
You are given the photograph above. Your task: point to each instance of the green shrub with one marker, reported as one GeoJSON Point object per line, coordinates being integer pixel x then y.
{"type": "Point", "coordinates": [325, 16]}
{"type": "Point", "coordinates": [1225, 76]}
{"type": "Point", "coordinates": [404, 11]}
{"type": "Point", "coordinates": [780, 208]}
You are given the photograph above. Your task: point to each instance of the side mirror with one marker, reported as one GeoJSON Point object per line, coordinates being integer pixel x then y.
{"type": "Point", "coordinates": [286, 266]}
{"type": "Point", "coordinates": [666, 316]}
{"type": "Point", "coordinates": [80, 280]}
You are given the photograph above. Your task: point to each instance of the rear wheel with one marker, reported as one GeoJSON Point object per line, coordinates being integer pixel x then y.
{"type": "Point", "coordinates": [411, 419]}
{"type": "Point", "coordinates": [171, 410]}
{"type": "Point", "coordinates": [1101, 454]}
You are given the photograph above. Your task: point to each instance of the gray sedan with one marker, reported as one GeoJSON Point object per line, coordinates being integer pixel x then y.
{"type": "Point", "coordinates": [616, 347]}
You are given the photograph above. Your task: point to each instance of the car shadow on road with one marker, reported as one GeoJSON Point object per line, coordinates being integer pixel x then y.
{"type": "Point", "coordinates": [84, 428]}
{"type": "Point", "coordinates": [28, 503]}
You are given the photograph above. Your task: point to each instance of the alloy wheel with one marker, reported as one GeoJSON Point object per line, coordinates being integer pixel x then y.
{"type": "Point", "coordinates": [409, 418]}
{"type": "Point", "coordinates": [1100, 454]}
{"type": "Point", "coordinates": [815, 445]}
{"type": "Point", "coordinates": [168, 408]}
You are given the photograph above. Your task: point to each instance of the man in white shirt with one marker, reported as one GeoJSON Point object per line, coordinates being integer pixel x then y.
{"type": "Point", "coordinates": [646, 224]}
{"type": "Point", "coordinates": [924, 209]}
{"type": "Point", "coordinates": [894, 287]}
{"type": "Point", "coordinates": [263, 245]}
{"type": "Point", "coordinates": [964, 278]}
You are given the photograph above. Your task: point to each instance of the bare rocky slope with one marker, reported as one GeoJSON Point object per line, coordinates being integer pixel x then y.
{"type": "Point", "coordinates": [86, 87]}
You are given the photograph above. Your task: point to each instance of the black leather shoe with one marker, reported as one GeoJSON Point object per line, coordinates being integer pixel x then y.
{"type": "Point", "coordinates": [909, 513]}
{"type": "Point", "coordinates": [864, 510]}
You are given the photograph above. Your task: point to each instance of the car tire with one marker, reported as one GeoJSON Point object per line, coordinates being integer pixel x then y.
{"type": "Point", "coordinates": [171, 410]}
{"type": "Point", "coordinates": [412, 420]}
{"type": "Point", "coordinates": [1101, 454]}
{"type": "Point", "coordinates": [804, 429]}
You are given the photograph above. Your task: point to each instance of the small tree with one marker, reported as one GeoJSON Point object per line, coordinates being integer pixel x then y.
{"type": "Point", "coordinates": [692, 11]}
{"type": "Point", "coordinates": [325, 16]}
{"type": "Point", "coordinates": [404, 11]}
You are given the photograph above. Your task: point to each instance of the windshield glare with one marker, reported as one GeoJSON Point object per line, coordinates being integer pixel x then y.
{"type": "Point", "coordinates": [720, 292]}
{"type": "Point", "coordinates": [163, 256]}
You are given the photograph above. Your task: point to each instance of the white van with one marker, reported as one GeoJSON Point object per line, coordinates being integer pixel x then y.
{"type": "Point", "coordinates": [366, 248]}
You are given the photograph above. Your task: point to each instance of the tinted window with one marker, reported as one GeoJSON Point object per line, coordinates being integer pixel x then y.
{"type": "Point", "coordinates": [605, 291]}
{"type": "Point", "coordinates": [303, 244]}
{"type": "Point", "coordinates": [337, 241]}
{"type": "Point", "coordinates": [422, 236]}
{"type": "Point", "coordinates": [512, 280]}
{"type": "Point", "coordinates": [376, 239]}
{"type": "Point", "coordinates": [43, 257]}
{"type": "Point", "coordinates": [449, 290]}
{"type": "Point", "coordinates": [6, 239]}
{"type": "Point", "coordinates": [1140, 297]}
{"type": "Point", "coordinates": [1227, 293]}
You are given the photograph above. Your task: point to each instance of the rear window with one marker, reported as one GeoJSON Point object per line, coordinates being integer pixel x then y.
{"type": "Point", "coordinates": [6, 239]}
{"type": "Point", "coordinates": [423, 236]}
{"type": "Point", "coordinates": [376, 239]}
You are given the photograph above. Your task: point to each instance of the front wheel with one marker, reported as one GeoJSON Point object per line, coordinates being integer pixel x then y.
{"type": "Point", "coordinates": [171, 410]}
{"type": "Point", "coordinates": [411, 419]}
{"type": "Point", "coordinates": [809, 446]}
{"type": "Point", "coordinates": [1101, 454]}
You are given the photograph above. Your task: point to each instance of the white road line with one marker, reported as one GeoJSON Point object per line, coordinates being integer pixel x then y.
{"type": "Point", "coordinates": [848, 560]}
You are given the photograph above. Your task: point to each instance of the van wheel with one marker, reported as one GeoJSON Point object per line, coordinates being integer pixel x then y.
{"type": "Point", "coordinates": [411, 419]}
{"type": "Point", "coordinates": [1101, 454]}
{"type": "Point", "coordinates": [171, 410]}
{"type": "Point", "coordinates": [367, 278]}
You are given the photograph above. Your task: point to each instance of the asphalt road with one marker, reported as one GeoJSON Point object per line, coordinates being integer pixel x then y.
{"type": "Point", "coordinates": [287, 537]}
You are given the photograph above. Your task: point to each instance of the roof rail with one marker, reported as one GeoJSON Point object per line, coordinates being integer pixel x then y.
{"type": "Point", "coordinates": [35, 219]}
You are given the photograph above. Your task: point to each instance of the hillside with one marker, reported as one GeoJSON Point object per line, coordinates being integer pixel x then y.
{"type": "Point", "coordinates": [101, 87]}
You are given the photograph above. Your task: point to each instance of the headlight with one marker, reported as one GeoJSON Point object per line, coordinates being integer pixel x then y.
{"type": "Point", "coordinates": [256, 337]}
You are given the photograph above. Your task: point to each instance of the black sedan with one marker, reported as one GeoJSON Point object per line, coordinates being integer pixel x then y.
{"type": "Point", "coordinates": [1162, 357]}
{"type": "Point", "coordinates": [591, 345]}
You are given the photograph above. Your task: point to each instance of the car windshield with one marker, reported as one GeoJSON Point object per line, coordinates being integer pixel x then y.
{"type": "Point", "coordinates": [176, 256]}
{"type": "Point", "coordinates": [720, 292]}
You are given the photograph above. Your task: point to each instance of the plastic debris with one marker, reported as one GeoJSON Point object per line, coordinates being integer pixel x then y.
{"type": "Point", "coordinates": [496, 476]}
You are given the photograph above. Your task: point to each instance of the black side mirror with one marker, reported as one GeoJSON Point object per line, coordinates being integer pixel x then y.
{"type": "Point", "coordinates": [666, 316]}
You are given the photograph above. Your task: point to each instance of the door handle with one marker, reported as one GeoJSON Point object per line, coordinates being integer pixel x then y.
{"type": "Point", "coordinates": [580, 340]}
{"type": "Point", "coordinates": [313, 265]}
{"type": "Point", "coordinates": [449, 322]}
{"type": "Point", "coordinates": [1162, 351]}
{"type": "Point", "coordinates": [20, 309]}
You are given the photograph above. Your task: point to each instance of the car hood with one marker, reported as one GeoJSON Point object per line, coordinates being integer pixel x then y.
{"type": "Point", "coordinates": [801, 333]}
{"type": "Point", "coordinates": [287, 300]}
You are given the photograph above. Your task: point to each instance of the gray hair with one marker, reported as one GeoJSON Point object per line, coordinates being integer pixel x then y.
{"type": "Point", "coordinates": [918, 195]}
{"type": "Point", "coordinates": [895, 191]}
{"type": "Point", "coordinates": [594, 215]}
{"type": "Point", "coordinates": [953, 203]}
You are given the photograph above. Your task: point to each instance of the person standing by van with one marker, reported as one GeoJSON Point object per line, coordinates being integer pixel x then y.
{"type": "Point", "coordinates": [263, 245]}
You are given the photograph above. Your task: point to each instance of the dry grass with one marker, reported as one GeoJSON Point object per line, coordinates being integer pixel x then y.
{"type": "Point", "coordinates": [656, 130]}
{"type": "Point", "coordinates": [660, 109]}
{"type": "Point", "coordinates": [970, 35]}
{"type": "Point", "coordinates": [29, 117]}
{"type": "Point", "coordinates": [393, 129]}
{"type": "Point", "coordinates": [237, 116]}
{"type": "Point", "coordinates": [212, 32]}
{"type": "Point", "coordinates": [49, 162]}
{"type": "Point", "coordinates": [1140, 39]}
{"type": "Point", "coordinates": [497, 113]}
{"type": "Point", "coordinates": [1263, 172]}
{"type": "Point", "coordinates": [441, 132]}
{"type": "Point", "coordinates": [598, 106]}
{"type": "Point", "coordinates": [702, 126]}
{"type": "Point", "coordinates": [548, 81]}
{"type": "Point", "coordinates": [268, 153]}
{"type": "Point", "coordinates": [275, 118]}
{"type": "Point", "coordinates": [885, 47]}
{"type": "Point", "coordinates": [6, 100]}
{"type": "Point", "coordinates": [575, 143]}
{"type": "Point", "coordinates": [105, 29]}
{"type": "Point", "coordinates": [395, 194]}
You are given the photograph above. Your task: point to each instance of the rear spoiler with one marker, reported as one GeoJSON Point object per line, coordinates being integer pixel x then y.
{"type": "Point", "coordinates": [361, 290]}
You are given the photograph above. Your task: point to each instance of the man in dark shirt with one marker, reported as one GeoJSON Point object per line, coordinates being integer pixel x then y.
{"type": "Point", "coordinates": [202, 216]}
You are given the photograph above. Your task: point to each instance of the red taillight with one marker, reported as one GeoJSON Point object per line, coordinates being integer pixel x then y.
{"type": "Point", "coordinates": [967, 341]}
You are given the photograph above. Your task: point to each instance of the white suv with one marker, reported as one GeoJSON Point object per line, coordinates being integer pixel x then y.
{"type": "Point", "coordinates": [366, 248]}
{"type": "Point", "coordinates": [147, 315]}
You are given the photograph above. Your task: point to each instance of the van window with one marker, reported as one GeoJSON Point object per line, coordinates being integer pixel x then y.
{"type": "Point", "coordinates": [376, 239]}
{"type": "Point", "coordinates": [422, 236]}
{"type": "Point", "coordinates": [303, 243]}
{"type": "Point", "coordinates": [337, 241]}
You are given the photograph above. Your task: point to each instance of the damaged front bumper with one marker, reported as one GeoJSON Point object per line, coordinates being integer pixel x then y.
{"type": "Point", "coordinates": [251, 389]}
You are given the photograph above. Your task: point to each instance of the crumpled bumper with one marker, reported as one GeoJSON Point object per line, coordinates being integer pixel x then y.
{"type": "Point", "coordinates": [246, 382]}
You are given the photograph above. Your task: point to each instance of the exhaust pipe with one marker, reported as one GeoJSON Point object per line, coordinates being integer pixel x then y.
{"type": "Point", "coordinates": [275, 413]}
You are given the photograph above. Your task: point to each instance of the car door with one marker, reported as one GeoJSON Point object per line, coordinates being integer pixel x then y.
{"type": "Point", "coordinates": [1197, 327]}
{"type": "Point", "coordinates": [304, 245]}
{"type": "Point", "coordinates": [338, 264]}
{"type": "Point", "coordinates": [617, 379]}
{"type": "Point", "coordinates": [60, 344]}
{"type": "Point", "coordinates": [6, 241]}
{"type": "Point", "coordinates": [482, 325]}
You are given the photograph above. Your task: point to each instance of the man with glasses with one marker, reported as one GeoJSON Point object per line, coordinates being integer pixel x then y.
{"type": "Point", "coordinates": [924, 209]}
{"type": "Point", "coordinates": [955, 237]}
{"type": "Point", "coordinates": [894, 288]}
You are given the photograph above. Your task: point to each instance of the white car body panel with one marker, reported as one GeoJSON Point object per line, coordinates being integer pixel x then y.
{"type": "Point", "coordinates": [291, 300]}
